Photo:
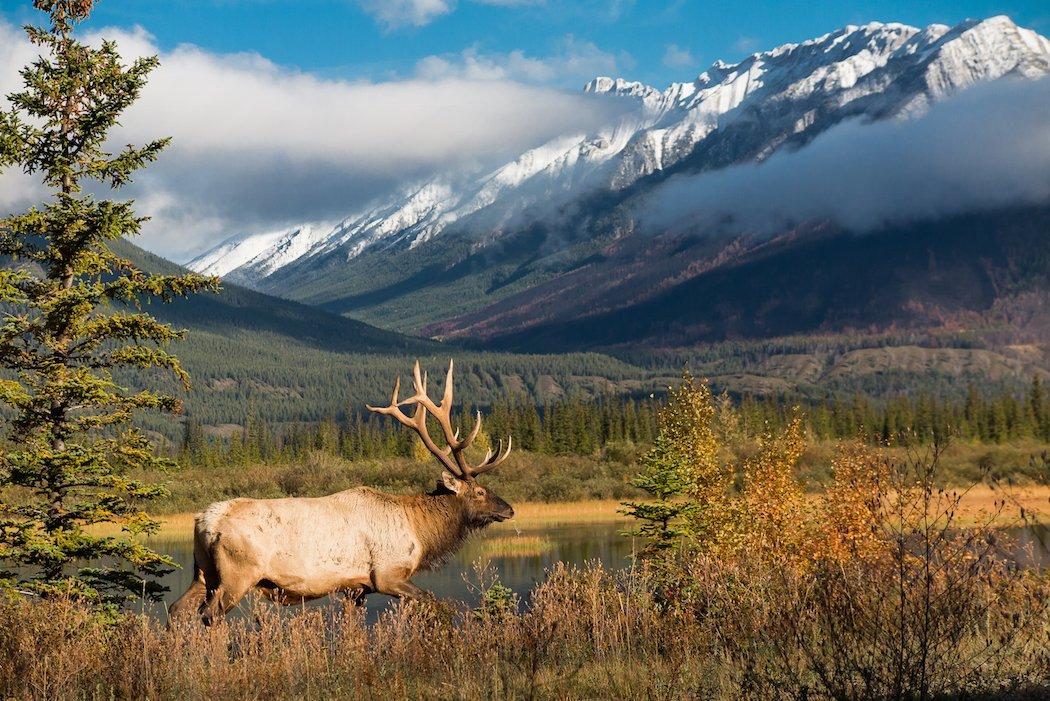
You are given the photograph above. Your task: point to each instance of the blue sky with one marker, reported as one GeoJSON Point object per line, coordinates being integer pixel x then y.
{"type": "Point", "coordinates": [655, 41]}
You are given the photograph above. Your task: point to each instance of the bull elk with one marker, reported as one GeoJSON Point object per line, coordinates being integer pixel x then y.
{"type": "Point", "coordinates": [357, 541]}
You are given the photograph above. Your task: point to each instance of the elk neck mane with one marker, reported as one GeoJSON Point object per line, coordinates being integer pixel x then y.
{"type": "Point", "coordinates": [438, 519]}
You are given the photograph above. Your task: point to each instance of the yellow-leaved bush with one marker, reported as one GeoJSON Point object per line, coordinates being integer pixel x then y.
{"type": "Point", "coordinates": [757, 506]}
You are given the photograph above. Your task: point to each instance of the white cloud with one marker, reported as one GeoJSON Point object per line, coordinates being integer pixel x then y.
{"type": "Point", "coordinates": [988, 147]}
{"type": "Point", "coordinates": [257, 146]}
{"type": "Point", "coordinates": [745, 44]}
{"type": "Point", "coordinates": [678, 57]}
{"type": "Point", "coordinates": [394, 14]}
{"type": "Point", "coordinates": [572, 63]}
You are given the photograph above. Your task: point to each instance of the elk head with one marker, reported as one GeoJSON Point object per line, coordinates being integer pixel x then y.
{"type": "Point", "coordinates": [481, 506]}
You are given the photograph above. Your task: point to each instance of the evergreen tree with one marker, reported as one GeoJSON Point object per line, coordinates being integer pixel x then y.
{"type": "Point", "coordinates": [684, 471]}
{"type": "Point", "coordinates": [72, 321]}
{"type": "Point", "coordinates": [327, 438]}
{"type": "Point", "coordinates": [1038, 409]}
{"type": "Point", "coordinates": [665, 478]}
{"type": "Point", "coordinates": [193, 440]}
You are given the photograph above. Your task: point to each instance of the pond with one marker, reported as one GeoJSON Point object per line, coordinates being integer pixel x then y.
{"type": "Point", "coordinates": [520, 559]}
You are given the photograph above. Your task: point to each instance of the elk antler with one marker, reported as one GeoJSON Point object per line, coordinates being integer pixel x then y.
{"type": "Point", "coordinates": [452, 457]}
{"type": "Point", "coordinates": [417, 423]}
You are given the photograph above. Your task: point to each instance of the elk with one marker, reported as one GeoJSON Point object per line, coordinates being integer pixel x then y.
{"type": "Point", "coordinates": [356, 541]}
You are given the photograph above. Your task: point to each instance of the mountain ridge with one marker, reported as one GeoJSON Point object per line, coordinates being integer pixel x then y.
{"type": "Point", "coordinates": [236, 309]}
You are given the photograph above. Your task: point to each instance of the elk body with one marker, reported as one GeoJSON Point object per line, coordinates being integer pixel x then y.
{"type": "Point", "coordinates": [357, 541]}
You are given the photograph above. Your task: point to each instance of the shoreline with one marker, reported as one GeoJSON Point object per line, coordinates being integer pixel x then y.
{"type": "Point", "coordinates": [978, 505]}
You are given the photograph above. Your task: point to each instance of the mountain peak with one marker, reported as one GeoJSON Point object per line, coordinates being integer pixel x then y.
{"type": "Point", "coordinates": [604, 85]}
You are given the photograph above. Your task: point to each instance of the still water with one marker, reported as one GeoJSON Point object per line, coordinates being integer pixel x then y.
{"type": "Point", "coordinates": [519, 559]}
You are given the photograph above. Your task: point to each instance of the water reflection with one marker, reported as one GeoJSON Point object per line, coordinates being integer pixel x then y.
{"type": "Point", "coordinates": [1030, 546]}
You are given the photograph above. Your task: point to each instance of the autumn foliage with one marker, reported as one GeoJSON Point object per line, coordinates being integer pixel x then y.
{"type": "Point", "coordinates": [709, 500]}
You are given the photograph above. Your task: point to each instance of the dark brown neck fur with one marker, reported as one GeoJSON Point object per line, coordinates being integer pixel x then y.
{"type": "Point", "coordinates": [440, 523]}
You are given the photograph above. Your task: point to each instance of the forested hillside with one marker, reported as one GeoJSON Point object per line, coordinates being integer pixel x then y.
{"type": "Point", "coordinates": [258, 358]}
{"type": "Point", "coordinates": [250, 321]}
{"type": "Point", "coordinates": [253, 356]}
{"type": "Point", "coordinates": [574, 426]}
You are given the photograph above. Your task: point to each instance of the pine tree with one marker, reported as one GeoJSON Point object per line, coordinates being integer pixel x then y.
{"type": "Point", "coordinates": [72, 321]}
{"type": "Point", "coordinates": [327, 438]}
{"type": "Point", "coordinates": [193, 441]}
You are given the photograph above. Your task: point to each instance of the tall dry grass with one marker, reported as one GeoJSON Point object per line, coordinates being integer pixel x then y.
{"type": "Point", "coordinates": [882, 628]}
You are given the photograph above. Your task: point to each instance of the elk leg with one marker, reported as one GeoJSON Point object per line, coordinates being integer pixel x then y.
{"type": "Point", "coordinates": [356, 595]}
{"type": "Point", "coordinates": [395, 582]}
{"type": "Point", "coordinates": [231, 587]}
{"type": "Point", "coordinates": [223, 599]}
{"type": "Point", "coordinates": [191, 600]}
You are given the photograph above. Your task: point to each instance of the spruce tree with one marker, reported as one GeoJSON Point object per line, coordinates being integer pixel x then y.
{"type": "Point", "coordinates": [665, 478]}
{"type": "Point", "coordinates": [73, 332]}
{"type": "Point", "coordinates": [683, 472]}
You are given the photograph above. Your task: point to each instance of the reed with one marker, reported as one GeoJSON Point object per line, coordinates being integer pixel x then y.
{"type": "Point", "coordinates": [507, 546]}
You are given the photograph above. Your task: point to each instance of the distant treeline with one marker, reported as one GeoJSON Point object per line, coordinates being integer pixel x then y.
{"type": "Point", "coordinates": [919, 419]}
{"type": "Point", "coordinates": [578, 426]}
{"type": "Point", "coordinates": [287, 382]}
{"type": "Point", "coordinates": [568, 427]}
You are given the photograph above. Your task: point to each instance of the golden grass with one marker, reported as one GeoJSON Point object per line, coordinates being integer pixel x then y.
{"type": "Point", "coordinates": [547, 514]}
{"type": "Point", "coordinates": [981, 503]}
{"type": "Point", "coordinates": [747, 629]}
{"type": "Point", "coordinates": [508, 546]}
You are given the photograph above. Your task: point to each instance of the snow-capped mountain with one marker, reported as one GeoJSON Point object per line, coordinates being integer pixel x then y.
{"type": "Point", "coordinates": [730, 113]}
{"type": "Point", "coordinates": [281, 247]}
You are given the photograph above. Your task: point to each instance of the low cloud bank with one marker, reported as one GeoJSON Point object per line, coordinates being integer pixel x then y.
{"type": "Point", "coordinates": [259, 147]}
{"type": "Point", "coordinates": [987, 147]}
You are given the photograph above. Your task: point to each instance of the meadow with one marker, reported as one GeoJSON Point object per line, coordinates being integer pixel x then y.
{"type": "Point", "coordinates": [604, 475]}
{"type": "Point", "coordinates": [872, 629]}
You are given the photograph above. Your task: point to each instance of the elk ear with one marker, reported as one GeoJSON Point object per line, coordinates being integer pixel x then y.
{"type": "Point", "coordinates": [453, 483]}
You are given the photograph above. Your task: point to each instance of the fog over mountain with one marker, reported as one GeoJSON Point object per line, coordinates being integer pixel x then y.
{"type": "Point", "coordinates": [727, 206]}
{"type": "Point", "coordinates": [987, 147]}
{"type": "Point", "coordinates": [844, 126]}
